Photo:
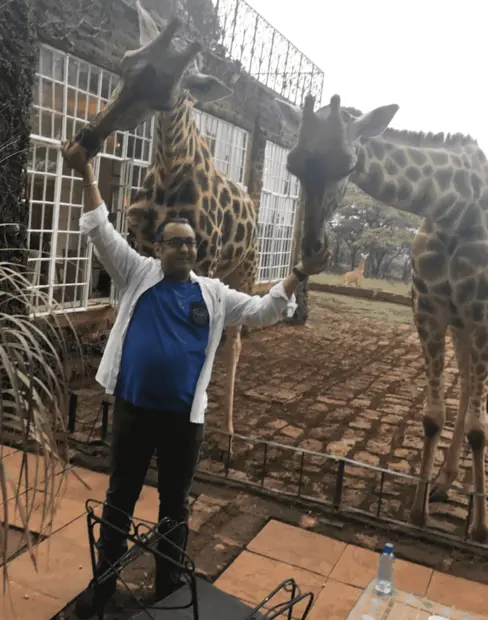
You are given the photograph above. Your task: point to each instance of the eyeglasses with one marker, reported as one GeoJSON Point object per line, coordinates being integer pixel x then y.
{"type": "Point", "coordinates": [177, 242]}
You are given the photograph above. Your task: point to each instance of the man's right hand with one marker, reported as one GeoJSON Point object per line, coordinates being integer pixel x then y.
{"type": "Point", "coordinates": [75, 157]}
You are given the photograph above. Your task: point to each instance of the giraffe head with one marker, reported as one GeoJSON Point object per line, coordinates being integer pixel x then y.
{"type": "Point", "coordinates": [325, 155]}
{"type": "Point", "coordinates": [153, 78]}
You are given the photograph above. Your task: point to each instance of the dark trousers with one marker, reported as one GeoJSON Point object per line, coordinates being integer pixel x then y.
{"type": "Point", "coordinates": [136, 434]}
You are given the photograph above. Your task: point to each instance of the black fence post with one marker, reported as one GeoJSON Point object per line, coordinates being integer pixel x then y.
{"type": "Point", "coordinates": [339, 485]}
{"type": "Point", "coordinates": [105, 410]}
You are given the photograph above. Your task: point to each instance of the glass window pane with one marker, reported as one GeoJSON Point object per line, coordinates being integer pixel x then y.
{"type": "Point", "coordinates": [58, 66]}
{"type": "Point", "coordinates": [73, 66]}
{"type": "Point", "coordinates": [46, 62]}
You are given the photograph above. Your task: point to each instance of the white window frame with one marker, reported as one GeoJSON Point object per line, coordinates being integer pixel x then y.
{"type": "Point", "coordinates": [60, 74]}
{"type": "Point", "coordinates": [228, 145]}
{"type": "Point", "coordinates": [277, 215]}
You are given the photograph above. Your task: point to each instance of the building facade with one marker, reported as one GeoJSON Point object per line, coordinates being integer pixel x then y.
{"type": "Point", "coordinates": [79, 46]}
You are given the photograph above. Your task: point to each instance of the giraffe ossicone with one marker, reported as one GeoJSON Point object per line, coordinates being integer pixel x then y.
{"type": "Point", "coordinates": [443, 179]}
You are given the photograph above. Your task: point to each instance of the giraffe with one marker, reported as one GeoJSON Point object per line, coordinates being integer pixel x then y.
{"type": "Point", "coordinates": [356, 276]}
{"type": "Point", "coordinates": [162, 77]}
{"type": "Point", "coordinates": [444, 179]}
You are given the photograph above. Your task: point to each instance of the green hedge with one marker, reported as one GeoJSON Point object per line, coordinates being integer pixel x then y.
{"type": "Point", "coordinates": [17, 68]}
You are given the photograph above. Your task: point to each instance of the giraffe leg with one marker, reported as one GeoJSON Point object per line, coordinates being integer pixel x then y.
{"type": "Point", "coordinates": [432, 338]}
{"type": "Point", "coordinates": [477, 426]}
{"type": "Point", "coordinates": [232, 351]}
{"type": "Point", "coordinates": [449, 471]}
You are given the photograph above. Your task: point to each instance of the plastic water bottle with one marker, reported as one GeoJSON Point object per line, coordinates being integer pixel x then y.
{"type": "Point", "coordinates": [384, 579]}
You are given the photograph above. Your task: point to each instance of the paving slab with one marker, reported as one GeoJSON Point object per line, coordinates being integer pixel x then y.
{"type": "Point", "coordinates": [298, 547]}
{"type": "Point", "coordinates": [42, 520]}
{"type": "Point", "coordinates": [6, 450]}
{"type": "Point", "coordinates": [71, 495]}
{"type": "Point", "coordinates": [460, 593]}
{"type": "Point", "coordinates": [403, 605]}
{"type": "Point", "coordinates": [251, 577]}
{"type": "Point", "coordinates": [17, 473]}
{"type": "Point", "coordinates": [358, 566]}
{"type": "Point", "coordinates": [335, 601]}
{"type": "Point", "coordinates": [23, 603]}
{"type": "Point", "coordinates": [63, 569]}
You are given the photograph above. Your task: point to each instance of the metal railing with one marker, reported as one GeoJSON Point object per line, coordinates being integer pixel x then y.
{"type": "Point", "coordinates": [339, 472]}
{"type": "Point", "coordinates": [335, 498]}
{"type": "Point", "coordinates": [265, 53]}
{"type": "Point", "coordinates": [233, 29]}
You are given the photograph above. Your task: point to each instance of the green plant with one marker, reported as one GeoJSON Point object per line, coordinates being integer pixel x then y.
{"type": "Point", "coordinates": [34, 385]}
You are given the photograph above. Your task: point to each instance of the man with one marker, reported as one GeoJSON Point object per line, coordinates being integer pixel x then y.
{"type": "Point", "coordinates": [158, 362]}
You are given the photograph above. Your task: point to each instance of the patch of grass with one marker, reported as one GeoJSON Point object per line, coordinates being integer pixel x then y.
{"type": "Point", "coordinates": [357, 308]}
{"type": "Point", "coordinates": [392, 286]}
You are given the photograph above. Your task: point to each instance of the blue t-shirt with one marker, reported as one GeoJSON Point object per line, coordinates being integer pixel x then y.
{"type": "Point", "coordinates": [164, 348]}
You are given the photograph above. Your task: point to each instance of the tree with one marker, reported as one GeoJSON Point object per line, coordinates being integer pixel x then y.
{"type": "Point", "coordinates": [364, 225]}
{"type": "Point", "coordinates": [347, 227]}
{"type": "Point", "coordinates": [199, 16]}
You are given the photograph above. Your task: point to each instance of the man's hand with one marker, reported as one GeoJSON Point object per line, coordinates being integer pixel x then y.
{"type": "Point", "coordinates": [75, 157]}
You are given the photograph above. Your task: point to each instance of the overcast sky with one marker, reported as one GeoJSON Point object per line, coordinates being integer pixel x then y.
{"type": "Point", "coordinates": [427, 56]}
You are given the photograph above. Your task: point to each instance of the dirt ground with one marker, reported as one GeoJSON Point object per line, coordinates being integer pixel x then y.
{"type": "Point", "coordinates": [351, 384]}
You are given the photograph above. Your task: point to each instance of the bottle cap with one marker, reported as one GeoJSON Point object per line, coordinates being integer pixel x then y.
{"type": "Point", "coordinates": [388, 548]}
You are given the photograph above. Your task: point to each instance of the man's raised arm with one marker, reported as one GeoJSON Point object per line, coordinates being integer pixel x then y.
{"type": "Point", "coordinates": [113, 251]}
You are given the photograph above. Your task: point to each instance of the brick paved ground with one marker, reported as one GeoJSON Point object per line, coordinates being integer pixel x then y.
{"type": "Point", "coordinates": [350, 384]}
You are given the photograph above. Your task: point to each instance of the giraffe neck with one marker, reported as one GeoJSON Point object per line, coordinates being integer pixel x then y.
{"type": "Point", "coordinates": [177, 138]}
{"type": "Point", "coordinates": [359, 269]}
{"type": "Point", "coordinates": [434, 182]}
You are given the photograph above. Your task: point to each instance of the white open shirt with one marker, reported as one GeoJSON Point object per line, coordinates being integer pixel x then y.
{"type": "Point", "coordinates": [134, 274]}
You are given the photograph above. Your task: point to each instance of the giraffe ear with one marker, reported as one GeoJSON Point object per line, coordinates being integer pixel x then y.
{"type": "Point", "coordinates": [291, 114]}
{"type": "Point", "coordinates": [373, 123]}
{"type": "Point", "coordinates": [206, 88]}
{"type": "Point", "coordinates": [148, 29]}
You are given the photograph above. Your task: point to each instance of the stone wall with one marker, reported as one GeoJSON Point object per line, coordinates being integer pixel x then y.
{"type": "Point", "coordinates": [19, 51]}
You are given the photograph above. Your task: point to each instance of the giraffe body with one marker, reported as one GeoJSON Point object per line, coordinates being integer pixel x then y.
{"type": "Point", "coordinates": [445, 180]}
{"type": "Point", "coordinates": [163, 78]}
{"type": "Point", "coordinates": [356, 275]}
{"type": "Point", "coordinates": [184, 182]}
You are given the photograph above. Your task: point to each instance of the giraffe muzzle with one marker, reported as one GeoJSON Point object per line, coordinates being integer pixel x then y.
{"type": "Point", "coordinates": [311, 246]}
{"type": "Point", "coordinates": [89, 141]}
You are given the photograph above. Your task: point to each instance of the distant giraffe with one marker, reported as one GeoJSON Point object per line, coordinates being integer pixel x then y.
{"type": "Point", "coordinates": [163, 76]}
{"type": "Point", "coordinates": [445, 180]}
{"type": "Point", "coordinates": [356, 276]}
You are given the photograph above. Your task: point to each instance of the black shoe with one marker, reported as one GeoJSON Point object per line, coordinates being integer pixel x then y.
{"type": "Point", "coordinates": [94, 598]}
{"type": "Point", "coordinates": [164, 589]}
{"type": "Point", "coordinates": [166, 580]}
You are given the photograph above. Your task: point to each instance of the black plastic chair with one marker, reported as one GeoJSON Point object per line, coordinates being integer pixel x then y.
{"type": "Point", "coordinates": [196, 599]}
{"type": "Point", "coordinates": [214, 604]}
{"type": "Point", "coordinates": [145, 536]}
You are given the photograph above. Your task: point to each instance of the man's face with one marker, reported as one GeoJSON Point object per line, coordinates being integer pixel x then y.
{"type": "Point", "coordinates": [177, 250]}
